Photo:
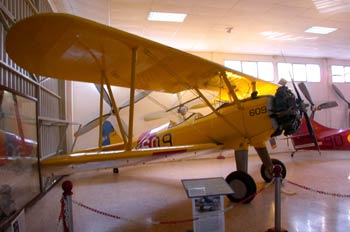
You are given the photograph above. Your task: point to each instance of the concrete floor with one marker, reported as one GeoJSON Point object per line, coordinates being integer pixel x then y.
{"type": "Point", "coordinates": [154, 192]}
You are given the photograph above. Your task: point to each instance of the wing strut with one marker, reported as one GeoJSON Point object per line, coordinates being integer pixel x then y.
{"type": "Point", "coordinates": [231, 89]}
{"type": "Point", "coordinates": [101, 113]}
{"type": "Point", "coordinates": [104, 79]}
{"type": "Point", "coordinates": [115, 108]}
{"type": "Point", "coordinates": [206, 101]}
{"type": "Point", "coordinates": [132, 98]}
{"type": "Point", "coordinates": [215, 111]}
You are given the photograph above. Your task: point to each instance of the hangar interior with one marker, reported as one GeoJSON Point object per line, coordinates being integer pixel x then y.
{"type": "Point", "coordinates": [264, 39]}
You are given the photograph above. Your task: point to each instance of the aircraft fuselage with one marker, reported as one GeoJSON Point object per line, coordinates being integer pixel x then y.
{"type": "Point", "coordinates": [327, 138]}
{"type": "Point", "coordinates": [235, 126]}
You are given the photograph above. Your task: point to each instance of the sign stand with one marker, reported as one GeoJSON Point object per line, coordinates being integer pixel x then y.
{"type": "Point", "coordinates": [207, 196]}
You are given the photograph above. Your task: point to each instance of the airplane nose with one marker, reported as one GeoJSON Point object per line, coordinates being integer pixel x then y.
{"type": "Point", "coordinates": [286, 111]}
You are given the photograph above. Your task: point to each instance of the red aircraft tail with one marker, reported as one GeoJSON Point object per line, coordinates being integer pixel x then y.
{"type": "Point", "coordinates": [327, 138]}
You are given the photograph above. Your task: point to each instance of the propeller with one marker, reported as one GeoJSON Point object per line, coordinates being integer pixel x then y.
{"type": "Point", "coordinates": [181, 109]}
{"type": "Point", "coordinates": [341, 95]}
{"type": "Point", "coordinates": [303, 112]}
{"type": "Point", "coordinates": [95, 122]}
{"type": "Point", "coordinates": [314, 107]}
{"type": "Point", "coordinates": [105, 94]}
{"type": "Point", "coordinates": [90, 125]}
{"type": "Point", "coordinates": [302, 108]}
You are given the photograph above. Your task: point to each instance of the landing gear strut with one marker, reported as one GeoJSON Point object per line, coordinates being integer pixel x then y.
{"type": "Point", "coordinates": [243, 186]}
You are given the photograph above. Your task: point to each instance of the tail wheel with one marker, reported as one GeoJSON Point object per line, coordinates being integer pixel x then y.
{"type": "Point", "coordinates": [267, 175]}
{"type": "Point", "coordinates": [243, 186]}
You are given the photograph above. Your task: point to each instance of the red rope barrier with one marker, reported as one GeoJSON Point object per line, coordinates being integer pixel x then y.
{"type": "Point", "coordinates": [118, 217]}
{"type": "Point", "coordinates": [319, 191]}
{"type": "Point", "coordinates": [255, 194]}
{"type": "Point", "coordinates": [167, 222]}
{"type": "Point", "coordinates": [98, 211]}
{"type": "Point", "coordinates": [177, 222]}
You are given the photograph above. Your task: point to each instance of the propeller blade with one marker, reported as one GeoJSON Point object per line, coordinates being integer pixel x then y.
{"type": "Point", "coordinates": [105, 94]}
{"type": "Point", "coordinates": [139, 96]}
{"type": "Point", "coordinates": [296, 90]}
{"type": "Point", "coordinates": [179, 98]}
{"type": "Point", "coordinates": [307, 119]}
{"type": "Point", "coordinates": [181, 109]}
{"type": "Point", "coordinates": [312, 114]}
{"type": "Point", "coordinates": [340, 94]}
{"type": "Point", "coordinates": [322, 106]}
{"type": "Point", "coordinates": [311, 131]}
{"type": "Point", "coordinates": [91, 125]}
{"type": "Point", "coordinates": [299, 100]}
{"type": "Point", "coordinates": [181, 104]}
{"type": "Point", "coordinates": [327, 105]}
{"type": "Point", "coordinates": [306, 93]}
{"type": "Point", "coordinates": [203, 104]}
{"type": "Point", "coordinates": [156, 115]}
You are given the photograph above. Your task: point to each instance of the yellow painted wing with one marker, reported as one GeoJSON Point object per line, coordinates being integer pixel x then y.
{"type": "Point", "coordinates": [82, 161]}
{"type": "Point", "coordinates": [72, 48]}
{"type": "Point", "coordinates": [86, 157]}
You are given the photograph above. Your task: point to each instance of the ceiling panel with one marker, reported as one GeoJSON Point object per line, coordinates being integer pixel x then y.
{"type": "Point", "coordinates": [207, 25]}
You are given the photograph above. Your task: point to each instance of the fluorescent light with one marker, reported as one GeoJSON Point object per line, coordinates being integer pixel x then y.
{"type": "Point", "coordinates": [275, 35]}
{"type": "Point", "coordinates": [321, 30]}
{"type": "Point", "coordinates": [166, 17]}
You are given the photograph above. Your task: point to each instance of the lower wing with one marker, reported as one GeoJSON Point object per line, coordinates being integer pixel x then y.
{"type": "Point", "coordinates": [92, 160]}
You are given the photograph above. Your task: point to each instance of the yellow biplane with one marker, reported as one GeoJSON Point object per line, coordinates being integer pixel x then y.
{"type": "Point", "coordinates": [72, 48]}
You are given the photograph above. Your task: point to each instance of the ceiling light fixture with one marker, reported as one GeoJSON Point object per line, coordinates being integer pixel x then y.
{"type": "Point", "coordinates": [321, 30]}
{"type": "Point", "coordinates": [275, 35]}
{"type": "Point", "coordinates": [166, 17]}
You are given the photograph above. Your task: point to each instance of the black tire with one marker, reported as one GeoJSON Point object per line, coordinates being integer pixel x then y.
{"type": "Point", "coordinates": [115, 170]}
{"type": "Point", "coordinates": [243, 186]}
{"type": "Point", "coordinates": [268, 176]}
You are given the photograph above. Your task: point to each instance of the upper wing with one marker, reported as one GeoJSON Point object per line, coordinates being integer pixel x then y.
{"type": "Point", "coordinates": [72, 48]}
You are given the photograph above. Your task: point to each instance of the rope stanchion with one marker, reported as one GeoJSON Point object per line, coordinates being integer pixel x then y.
{"type": "Point", "coordinates": [277, 174]}
{"type": "Point", "coordinates": [60, 217]}
{"type": "Point", "coordinates": [319, 191]}
{"type": "Point", "coordinates": [66, 206]}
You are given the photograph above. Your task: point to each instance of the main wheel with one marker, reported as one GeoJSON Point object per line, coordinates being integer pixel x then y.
{"type": "Point", "coordinates": [267, 176]}
{"type": "Point", "coordinates": [115, 170]}
{"type": "Point", "coordinates": [243, 186]}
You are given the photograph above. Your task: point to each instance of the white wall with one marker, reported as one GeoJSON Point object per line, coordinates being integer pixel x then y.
{"type": "Point", "coordinates": [85, 107]}
{"type": "Point", "coordinates": [85, 99]}
{"type": "Point", "coordinates": [320, 92]}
